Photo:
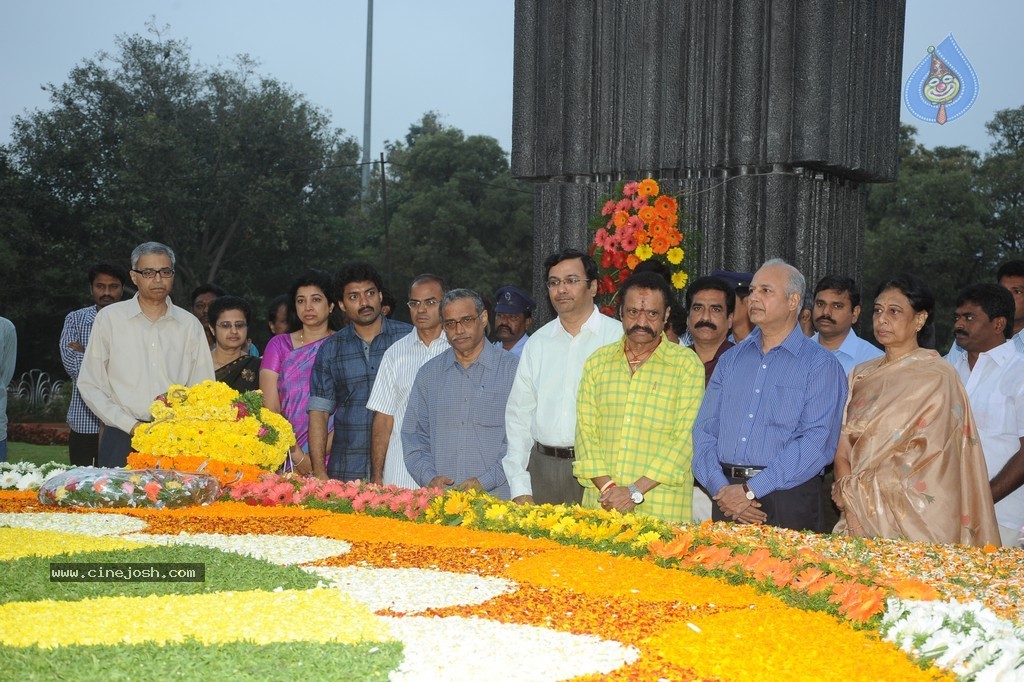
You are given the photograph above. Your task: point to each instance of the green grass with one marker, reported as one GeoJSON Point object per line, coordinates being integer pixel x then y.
{"type": "Point", "coordinates": [28, 579]}
{"type": "Point", "coordinates": [37, 454]}
{"type": "Point", "coordinates": [196, 661]}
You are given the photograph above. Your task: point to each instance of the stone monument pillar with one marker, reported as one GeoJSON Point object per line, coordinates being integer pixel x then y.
{"type": "Point", "coordinates": [766, 118]}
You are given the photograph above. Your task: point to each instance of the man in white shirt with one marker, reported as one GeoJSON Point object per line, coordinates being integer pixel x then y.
{"type": "Point", "coordinates": [836, 309]}
{"type": "Point", "coordinates": [993, 374]}
{"type": "Point", "coordinates": [390, 394]}
{"type": "Point", "coordinates": [540, 418]}
{"type": "Point", "coordinates": [137, 350]}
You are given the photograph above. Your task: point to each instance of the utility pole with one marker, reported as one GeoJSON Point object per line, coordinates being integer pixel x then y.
{"type": "Point", "coordinates": [366, 99]}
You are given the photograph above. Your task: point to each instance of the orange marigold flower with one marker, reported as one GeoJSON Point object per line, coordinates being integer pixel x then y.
{"type": "Point", "coordinates": [913, 588]}
{"type": "Point", "coordinates": [806, 578]}
{"type": "Point", "coordinates": [660, 244]}
{"type": "Point", "coordinates": [674, 548]}
{"type": "Point", "coordinates": [632, 261]}
{"type": "Point", "coordinates": [673, 219]}
{"type": "Point", "coordinates": [642, 236]}
{"type": "Point", "coordinates": [674, 236]}
{"type": "Point", "coordinates": [659, 229]}
{"type": "Point", "coordinates": [647, 214]}
{"type": "Point", "coordinates": [870, 600]}
{"type": "Point", "coordinates": [648, 188]}
{"type": "Point", "coordinates": [620, 218]}
{"type": "Point", "coordinates": [666, 205]}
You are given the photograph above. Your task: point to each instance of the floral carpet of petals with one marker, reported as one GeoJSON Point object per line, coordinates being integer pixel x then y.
{"type": "Point", "coordinates": [616, 601]}
{"type": "Point", "coordinates": [16, 543]}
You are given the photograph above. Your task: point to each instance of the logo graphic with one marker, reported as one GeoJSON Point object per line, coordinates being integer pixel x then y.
{"type": "Point", "coordinates": [943, 86]}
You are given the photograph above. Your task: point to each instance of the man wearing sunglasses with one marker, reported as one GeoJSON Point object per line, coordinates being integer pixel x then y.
{"type": "Point", "coordinates": [138, 349]}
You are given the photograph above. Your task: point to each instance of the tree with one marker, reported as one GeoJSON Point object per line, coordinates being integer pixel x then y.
{"type": "Point", "coordinates": [239, 174]}
{"type": "Point", "coordinates": [1002, 180]}
{"type": "Point", "coordinates": [455, 210]}
{"type": "Point", "coordinates": [932, 222]}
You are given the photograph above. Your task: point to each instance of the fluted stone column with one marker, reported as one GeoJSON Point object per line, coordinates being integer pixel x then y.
{"type": "Point", "coordinates": [765, 117]}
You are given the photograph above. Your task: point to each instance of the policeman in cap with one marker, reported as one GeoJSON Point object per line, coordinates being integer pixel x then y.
{"type": "Point", "coordinates": [513, 312]}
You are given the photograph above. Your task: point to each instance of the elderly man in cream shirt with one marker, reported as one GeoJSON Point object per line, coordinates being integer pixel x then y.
{"type": "Point", "coordinates": [540, 416]}
{"type": "Point", "coordinates": [138, 349]}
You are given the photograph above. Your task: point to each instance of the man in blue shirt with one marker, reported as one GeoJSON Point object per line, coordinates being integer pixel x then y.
{"type": "Point", "coordinates": [343, 375]}
{"type": "Point", "coordinates": [771, 415]}
{"type": "Point", "coordinates": [454, 427]}
{"type": "Point", "coordinates": [836, 309]}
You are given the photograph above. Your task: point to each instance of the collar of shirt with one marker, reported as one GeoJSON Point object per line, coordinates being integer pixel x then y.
{"type": "Point", "coordinates": [793, 343]}
{"type": "Point", "coordinates": [489, 357]}
{"type": "Point", "coordinates": [135, 309]}
{"type": "Point", "coordinates": [848, 347]}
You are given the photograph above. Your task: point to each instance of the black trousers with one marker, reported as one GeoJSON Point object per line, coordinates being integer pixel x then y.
{"type": "Point", "coordinates": [83, 448]}
{"type": "Point", "coordinates": [799, 508]}
{"type": "Point", "coordinates": [114, 447]}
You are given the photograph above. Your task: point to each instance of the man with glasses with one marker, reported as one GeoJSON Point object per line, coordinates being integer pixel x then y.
{"type": "Point", "coordinates": [540, 419]}
{"type": "Point", "coordinates": [138, 349]}
{"type": "Point", "coordinates": [390, 394]}
{"type": "Point", "coordinates": [343, 375]}
{"type": "Point", "coordinates": [454, 428]}
{"type": "Point", "coordinates": [638, 399]}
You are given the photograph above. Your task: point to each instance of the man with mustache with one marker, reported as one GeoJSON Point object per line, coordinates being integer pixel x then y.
{"type": "Point", "coordinates": [513, 313]}
{"type": "Point", "coordinates": [740, 283]}
{"type": "Point", "coordinates": [106, 284]}
{"type": "Point", "coordinates": [710, 302]}
{"type": "Point", "coordinates": [138, 349]}
{"type": "Point", "coordinates": [1010, 276]}
{"type": "Point", "coordinates": [391, 388]}
{"type": "Point", "coordinates": [343, 375]}
{"type": "Point", "coordinates": [637, 402]}
{"type": "Point", "coordinates": [770, 419]}
{"type": "Point", "coordinates": [993, 375]}
{"type": "Point", "coordinates": [836, 309]}
{"type": "Point", "coordinates": [454, 428]}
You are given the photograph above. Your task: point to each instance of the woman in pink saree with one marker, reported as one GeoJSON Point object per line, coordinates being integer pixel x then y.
{"type": "Point", "coordinates": [909, 463]}
{"type": "Point", "coordinates": [288, 359]}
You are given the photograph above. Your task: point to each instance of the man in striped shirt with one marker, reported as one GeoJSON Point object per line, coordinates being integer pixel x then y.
{"type": "Point", "coordinates": [106, 283]}
{"type": "Point", "coordinates": [772, 413]}
{"type": "Point", "coordinates": [390, 394]}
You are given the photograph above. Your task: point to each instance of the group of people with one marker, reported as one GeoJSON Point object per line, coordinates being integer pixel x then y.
{"type": "Point", "coordinates": [721, 405]}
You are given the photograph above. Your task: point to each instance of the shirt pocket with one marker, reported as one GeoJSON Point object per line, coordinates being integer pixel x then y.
{"type": "Point", "coordinates": [489, 410]}
{"type": "Point", "coordinates": [785, 405]}
{"type": "Point", "coordinates": [993, 413]}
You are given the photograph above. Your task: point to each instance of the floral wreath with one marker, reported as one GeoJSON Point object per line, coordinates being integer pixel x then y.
{"type": "Point", "coordinates": [636, 223]}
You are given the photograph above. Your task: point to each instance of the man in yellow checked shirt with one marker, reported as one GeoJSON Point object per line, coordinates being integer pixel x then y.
{"type": "Point", "coordinates": [635, 411]}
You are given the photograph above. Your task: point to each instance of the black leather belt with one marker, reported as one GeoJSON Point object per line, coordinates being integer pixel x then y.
{"type": "Point", "coordinates": [560, 453]}
{"type": "Point", "coordinates": [733, 471]}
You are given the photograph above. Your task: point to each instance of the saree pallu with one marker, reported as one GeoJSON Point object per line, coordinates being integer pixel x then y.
{"type": "Point", "coordinates": [293, 390]}
{"type": "Point", "coordinates": [242, 374]}
{"type": "Point", "coordinates": [918, 471]}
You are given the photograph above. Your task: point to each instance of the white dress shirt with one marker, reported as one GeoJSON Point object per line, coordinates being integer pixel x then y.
{"type": "Point", "coordinates": [390, 395]}
{"type": "Point", "coordinates": [542, 405]}
{"type": "Point", "coordinates": [131, 359]}
{"type": "Point", "coordinates": [995, 389]}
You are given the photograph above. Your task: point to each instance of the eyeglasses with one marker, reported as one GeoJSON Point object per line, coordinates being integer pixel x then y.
{"type": "Point", "coordinates": [571, 281]}
{"type": "Point", "coordinates": [430, 303]}
{"type": "Point", "coordinates": [451, 325]}
{"type": "Point", "coordinates": [226, 326]}
{"type": "Point", "coordinates": [633, 313]}
{"type": "Point", "coordinates": [150, 273]}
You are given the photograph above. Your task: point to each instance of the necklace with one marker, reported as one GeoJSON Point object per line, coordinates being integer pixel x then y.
{"type": "Point", "coordinates": [638, 360]}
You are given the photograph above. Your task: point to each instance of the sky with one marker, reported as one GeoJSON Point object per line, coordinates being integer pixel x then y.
{"type": "Point", "coordinates": [452, 56]}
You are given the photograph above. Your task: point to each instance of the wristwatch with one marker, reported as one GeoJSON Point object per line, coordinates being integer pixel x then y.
{"type": "Point", "coordinates": [635, 495]}
{"type": "Point", "coordinates": [748, 492]}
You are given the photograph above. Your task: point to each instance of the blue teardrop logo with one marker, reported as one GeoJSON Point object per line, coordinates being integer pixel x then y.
{"type": "Point", "coordinates": [943, 86]}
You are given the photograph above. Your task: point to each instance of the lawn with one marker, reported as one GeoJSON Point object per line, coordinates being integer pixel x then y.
{"type": "Point", "coordinates": [37, 454]}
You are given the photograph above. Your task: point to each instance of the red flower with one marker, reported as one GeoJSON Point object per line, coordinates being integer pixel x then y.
{"type": "Point", "coordinates": [608, 310]}
{"type": "Point", "coordinates": [624, 274]}
{"type": "Point", "coordinates": [619, 259]}
{"type": "Point", "coordinates": [606, 259]}
{"type": "Point", "coordinates": [608, 283]}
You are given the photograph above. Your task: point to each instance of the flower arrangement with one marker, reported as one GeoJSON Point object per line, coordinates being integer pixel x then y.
{"type": "Point", "coordinates": [636, 224]}
{"type": "Point", "coordinates": [214, 422]}
{"type": "Point", "coordinates": [152, 488]}
{"type": "Point", "coordinates": [28, 476]}
{"type": "Point", "coordinates": [346, 497]}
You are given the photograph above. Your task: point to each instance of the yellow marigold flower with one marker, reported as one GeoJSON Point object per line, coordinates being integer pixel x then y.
{"type": "Point", "coordinates": [648, 188]}
{"type": "Point", "coordinates": [679, 280]}
{"type": "Point", "coordinates": [16, 543]}
{"type": "Point", "coordinates": [644, 251]}
{"type": "Point", "coordinates": [646, 538]}
{"type": "Point", "coordinates": [675, 255]}
{"type": "Point", "coordinates": [455, 503]}
{"type": "Point", "coordinates": [496, 512]}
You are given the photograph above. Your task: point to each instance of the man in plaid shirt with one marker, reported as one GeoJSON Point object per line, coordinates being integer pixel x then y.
{"type": "Point", "coordinates": [635, 409]}
{"type": "Point", "coordinates": [106, 283]}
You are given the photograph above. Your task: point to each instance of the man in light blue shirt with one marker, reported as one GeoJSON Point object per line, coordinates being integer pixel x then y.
{"type": "Point", "coordinates": [836, 309]}
{"type": "Point", "coordinates": [771, 415]}
{"type": "Point", "coordinates": [453, 433]}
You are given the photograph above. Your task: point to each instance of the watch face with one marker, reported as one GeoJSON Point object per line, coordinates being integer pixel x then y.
{"type": "Point", "coordinates": [637, 497]}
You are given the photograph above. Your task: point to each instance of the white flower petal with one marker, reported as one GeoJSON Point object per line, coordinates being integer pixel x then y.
{"type": "Point", "coordinates": [409, 590]}
{"type": "Point", "coordinates": [277, 549]}
{"type": "Point", "coordinates": [82, 524]}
